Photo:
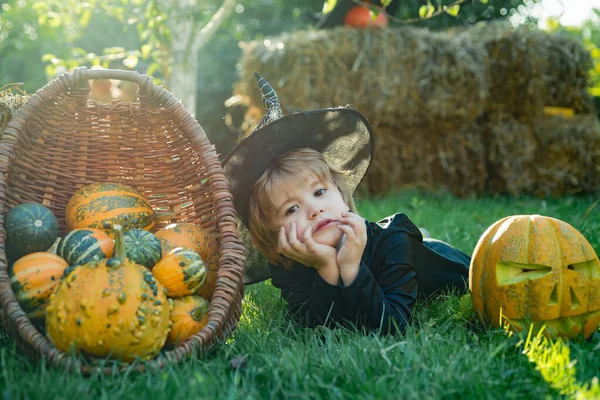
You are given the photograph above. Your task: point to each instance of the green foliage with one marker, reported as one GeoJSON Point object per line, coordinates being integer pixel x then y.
{"type": "Point", "coordinates": [440, 14]}
{"type": "Point", "coordinates": [25, 38]}
{"type": "Point", "coordinates": [426, 11]}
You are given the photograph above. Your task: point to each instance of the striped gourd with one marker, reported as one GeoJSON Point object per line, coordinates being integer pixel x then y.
{"type": "Point", "coordinates": [33, 279]}
{"type": "Point", "coordinates": [104, 205]}
{"type": "Point", "coordinates": [142, 247]}
{"type": "Point", "coordinates": [30, 227]}
{"type": "Point", "coordinates": [191, 237]}
{"type": "Point", "coordinates": [182, 273]}
{"type": "Point", "coordinates": [83, 245]}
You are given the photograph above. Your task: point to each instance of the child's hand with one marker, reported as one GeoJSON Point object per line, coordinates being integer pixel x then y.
{"type": "Point", "coordinates": [309, 253]}
{"type": "Point", "coordinates": [349, 255]}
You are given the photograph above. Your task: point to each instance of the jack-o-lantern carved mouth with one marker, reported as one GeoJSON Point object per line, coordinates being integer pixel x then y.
{"type": "Point", "coordinates": [565, 326]}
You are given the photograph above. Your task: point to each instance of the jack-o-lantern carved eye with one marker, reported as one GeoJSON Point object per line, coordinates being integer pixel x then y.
{"type": "Point", "coordinates": [589, 268]}
{"type": "Point", "coordinates": [509, 273]}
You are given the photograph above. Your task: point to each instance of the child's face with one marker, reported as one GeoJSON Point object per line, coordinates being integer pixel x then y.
{"type": "Point", "coordinates": [315, 204]}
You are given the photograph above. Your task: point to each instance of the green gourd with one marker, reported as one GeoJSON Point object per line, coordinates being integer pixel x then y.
{"type": "Point", "coordinates": [143, 247]}
{"type": "Point", "coordinates": [83, 245]}
{"type": "Point", "coordinates": [30, 227]}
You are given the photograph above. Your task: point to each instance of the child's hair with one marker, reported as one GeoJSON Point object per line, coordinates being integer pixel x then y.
{"type": "Point", "coordinates": [295, 165]}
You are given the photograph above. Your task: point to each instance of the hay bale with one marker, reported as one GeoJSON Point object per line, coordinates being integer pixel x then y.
{"type": "Point", "coordinates": [530, 69]}
{"type": "Point", "coordinates": [511, 154]}
{"type": "Point", "coordinates": [568, 155]}
{"type": "Point", "coordinates": [420, 156]}
{"type": "Point", "coordinates": [567, 74]}
{"type": "Point", "coordinates": [394, 76]}
{"type": "Point", "coordinates": [11, 99]}
{"type": "Point", "coordinates": [462, 109]}
{"type": "Point", "coordinates": [514, 69]}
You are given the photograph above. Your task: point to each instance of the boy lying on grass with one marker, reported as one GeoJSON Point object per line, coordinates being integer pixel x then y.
{"type": "Point", "coordinates": [292, 181]}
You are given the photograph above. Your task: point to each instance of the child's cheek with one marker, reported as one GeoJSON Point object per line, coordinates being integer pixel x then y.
{"type": "Point", "coordinates": [300, 232]}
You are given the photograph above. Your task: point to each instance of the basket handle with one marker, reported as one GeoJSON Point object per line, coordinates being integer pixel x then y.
{"type": "Point", "coordinates": [147, 87]}
{"type": "Point", "coordinates": [119, 74]}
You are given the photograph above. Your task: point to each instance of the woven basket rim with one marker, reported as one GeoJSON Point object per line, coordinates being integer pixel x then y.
{"type": "Point", "coordinates": [229, 289]}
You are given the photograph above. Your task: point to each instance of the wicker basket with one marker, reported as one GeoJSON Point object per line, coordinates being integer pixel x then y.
{"type": "Point", "coordinates": [60, 140]}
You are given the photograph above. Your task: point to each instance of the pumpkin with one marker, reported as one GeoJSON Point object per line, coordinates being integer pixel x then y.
{"type": "Point", "coordinates": [30, 227]}
{"type": "Point", "coordinates": [182, 273]}
{"type": "Point", "coordinates": [189, 314]}
{"type": "Point", "coordinates": [109, 308]}
{"type": "Point", "coordinates": [104, 205]}
{"type": "Point", "coordinates": [534, 269]}
{"type": "Point", "coordinates": [143, 247]}
{"type": "Point", "coordinates": [33, 279]}
{"type": "Point", "coordinates": [362, 17]}
{"type": "Point", "coordinates": [190, 236]}
{"type": "Point", "coordinates": [83, 245]}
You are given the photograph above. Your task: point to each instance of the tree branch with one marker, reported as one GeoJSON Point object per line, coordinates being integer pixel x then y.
{"type": "Point", "coordinates": [211, 27]}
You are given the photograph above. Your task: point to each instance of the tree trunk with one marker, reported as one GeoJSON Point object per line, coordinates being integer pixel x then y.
{"type": "Point", "coordinates": [183, 80]}
{"type": "Point", "coordinates": [187, 38]}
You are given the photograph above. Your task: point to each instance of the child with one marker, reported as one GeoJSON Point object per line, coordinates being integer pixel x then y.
{"type": "Point", "coordinates": [292, 181]}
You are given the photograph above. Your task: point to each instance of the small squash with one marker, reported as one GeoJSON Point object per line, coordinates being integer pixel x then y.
{"type": "Point", "coordinates": [190, 236]}
{"type": "Point", "coordinates": [33, 279]}
{"type": "Point", "coordinates": [182, 273]}
{"type": "Point", "coordinates": [30, 227]}
{"type": "Point", "coordinates": [104, 205]}
{"type": "Point", "coordinates": [83, 245]}
{"type": "Point", "coordinates": [189, 314]}
{"type": "Point", "coordinates": [109, 308]}
{"type": "Point", "coordinates": [143, 247]}
{"type": "Point", "coordinates": [181, 234]}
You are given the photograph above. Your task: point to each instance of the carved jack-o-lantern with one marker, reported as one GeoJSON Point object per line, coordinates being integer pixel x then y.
{"type": "Point", "coordinates": [538, 270]}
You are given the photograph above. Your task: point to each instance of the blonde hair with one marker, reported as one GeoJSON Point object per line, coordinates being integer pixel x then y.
{"type": "Point", "coordinates": [296, 166]}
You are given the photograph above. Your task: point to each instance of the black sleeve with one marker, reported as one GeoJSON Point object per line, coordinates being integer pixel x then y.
{"type": "Point", "coordinates": [311, 300]}
{"type": "Point", "coordinates": [381, 298]}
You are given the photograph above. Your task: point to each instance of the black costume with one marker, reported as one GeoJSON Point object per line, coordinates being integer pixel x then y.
{"type": "Point", "coordinates": [397, 266]}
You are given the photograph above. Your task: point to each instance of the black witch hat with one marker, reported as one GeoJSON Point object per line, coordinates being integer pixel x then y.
{"type": "Point", "coordinates": [342, 135]}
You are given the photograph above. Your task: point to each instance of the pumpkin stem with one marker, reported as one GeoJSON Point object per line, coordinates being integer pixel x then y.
{"type": "Point", "coordinates": [198, 312]}
{"type": "Point", "coordinates": [120, 250]}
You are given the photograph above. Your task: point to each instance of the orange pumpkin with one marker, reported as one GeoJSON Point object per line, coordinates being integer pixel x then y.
{"type": "Point", "coordinates": [33, 278]}
{"type": "Point", "coordinates": [181, 273]}
{"type": "Point", "coordinates": [534, 269]}
{"type": "Point", "coordinates": [104, 205]}
{"type": "Point", "coordinates": [190, 236]}
{"type": "Point", "coordinates": [363, 17]}
{"type": "Point", "coordinates": [189, 314]}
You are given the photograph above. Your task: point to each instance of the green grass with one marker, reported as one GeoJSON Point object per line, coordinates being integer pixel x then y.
{"type": "Point", "coordinates": [445, 353]}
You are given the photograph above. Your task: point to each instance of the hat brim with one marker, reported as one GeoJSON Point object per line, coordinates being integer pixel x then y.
{"type": "Point", "coordinates": [343, 135]}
